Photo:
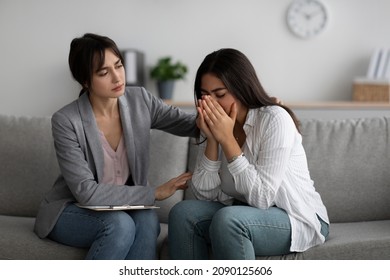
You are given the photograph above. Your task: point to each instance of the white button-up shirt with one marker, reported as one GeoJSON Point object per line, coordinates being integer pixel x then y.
{"type": "Point", "coordinates": [274, 172]}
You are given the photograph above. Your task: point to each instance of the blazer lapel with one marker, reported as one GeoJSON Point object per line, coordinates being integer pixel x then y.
{"type": "Point", "coordinates": [129, 137]}
{"type": "Point", "coordinates": [92, 134]}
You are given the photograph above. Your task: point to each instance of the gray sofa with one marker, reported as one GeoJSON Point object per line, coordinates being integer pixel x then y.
{"type": "Point", "coordinates": [349, 161]}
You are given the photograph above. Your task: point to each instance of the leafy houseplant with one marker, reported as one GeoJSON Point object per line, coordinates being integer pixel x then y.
{"type": "Point", "coordinates": [165, 72]}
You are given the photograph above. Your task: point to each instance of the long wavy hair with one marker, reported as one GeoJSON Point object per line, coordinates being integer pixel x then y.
{"type": "Point", "coordinates": [235, 70]}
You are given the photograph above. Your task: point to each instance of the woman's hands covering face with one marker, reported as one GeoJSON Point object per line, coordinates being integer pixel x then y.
{"type": "Point", "coordinates": [213, 121]}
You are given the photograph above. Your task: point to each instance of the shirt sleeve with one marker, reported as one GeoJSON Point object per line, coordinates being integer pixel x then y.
{"type": "Point", "coordinates": [206, 183]}
{"type": "Point", "coordinates": [259, 176]}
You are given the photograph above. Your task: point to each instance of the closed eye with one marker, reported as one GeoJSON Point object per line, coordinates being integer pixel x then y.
{"type": "Point", "coordinates": [118, 64]}
{"type": "Point", "coordinates": [219, 92]}
{"type": "Point", "coordinates": [102, 73]}
{"type": "Point", "coordinates": [220, 95]}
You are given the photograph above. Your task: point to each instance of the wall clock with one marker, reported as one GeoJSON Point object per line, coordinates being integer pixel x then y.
{"type": "Point", "coordinates": [307, 18]}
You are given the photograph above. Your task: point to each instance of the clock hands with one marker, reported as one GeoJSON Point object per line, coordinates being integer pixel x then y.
{"type": "Point", "coordinates": [309, 16]}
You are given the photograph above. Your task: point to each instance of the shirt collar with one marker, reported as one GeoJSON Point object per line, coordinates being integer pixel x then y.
{"type": "Point", "coordinates": [250, 120]}
{"type": "Point", "coordinates": [248, 127]}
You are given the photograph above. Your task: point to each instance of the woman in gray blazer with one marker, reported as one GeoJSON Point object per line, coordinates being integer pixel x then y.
{"type": "Point", "coordinates": [102, 145]}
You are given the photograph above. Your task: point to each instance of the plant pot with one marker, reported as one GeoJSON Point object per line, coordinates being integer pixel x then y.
{"type": "Point", "coordinates": [165, 89]}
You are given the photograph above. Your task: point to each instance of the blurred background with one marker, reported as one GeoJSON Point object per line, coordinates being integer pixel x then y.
{"type": "Point", "coordinates": [35, 37]}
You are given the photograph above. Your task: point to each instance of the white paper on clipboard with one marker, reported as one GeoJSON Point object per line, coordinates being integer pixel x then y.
{"type": "Point", "coordinates": [116, 207]}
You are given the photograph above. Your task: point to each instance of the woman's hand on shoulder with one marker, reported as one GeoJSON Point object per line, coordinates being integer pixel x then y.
{"type": "Point", "coordinates": [169, 188]}
{"type": "Point", "coordinates": [277, 100]}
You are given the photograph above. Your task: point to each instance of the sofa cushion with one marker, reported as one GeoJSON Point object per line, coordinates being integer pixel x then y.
{"type": "Point", "coordinates": [18, 241]}
{"type": "Point", "coordinates": [349, 162]}
{"type": "Point", "coordinates": [348, 241]}
{"type": "Point", "coordinates": [168, 159]}
{"type": "Point", "coordinates": [28, 163]}
{"type": "Point", "coordinates": [354, 241]}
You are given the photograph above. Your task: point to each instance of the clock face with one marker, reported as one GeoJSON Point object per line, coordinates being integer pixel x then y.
{"type": "Point", "coordinates": [307, 18]}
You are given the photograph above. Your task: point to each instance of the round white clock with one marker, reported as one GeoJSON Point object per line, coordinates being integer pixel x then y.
{"type": "Point", "coordinates": [307, 18]}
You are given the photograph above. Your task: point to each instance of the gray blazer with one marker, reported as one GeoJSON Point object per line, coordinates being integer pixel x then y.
{"type": "Point", "coordinates": [80, 154]}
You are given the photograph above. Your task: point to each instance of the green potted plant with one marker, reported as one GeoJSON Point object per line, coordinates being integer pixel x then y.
{"type": "Point", "coordinates": [165, 72]}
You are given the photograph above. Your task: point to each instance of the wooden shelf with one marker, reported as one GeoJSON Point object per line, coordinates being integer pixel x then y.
{"type": "Point", "coordinates": [345, 105]}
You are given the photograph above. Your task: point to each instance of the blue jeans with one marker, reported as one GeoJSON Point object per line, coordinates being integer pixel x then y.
{"type": "Point", "coordinates": [115, 235]}
{"type": "Point", "coordinates": [233, 232]}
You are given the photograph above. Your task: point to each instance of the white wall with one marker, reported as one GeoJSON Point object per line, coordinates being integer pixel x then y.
{"type": "Point", "coordinates": [35, 37]}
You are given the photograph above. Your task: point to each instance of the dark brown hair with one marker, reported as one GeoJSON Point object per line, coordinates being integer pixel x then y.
{"type": "Point", "coordinates": [235, 70]}
{"type": "Point", "coordinates": [87, 54]}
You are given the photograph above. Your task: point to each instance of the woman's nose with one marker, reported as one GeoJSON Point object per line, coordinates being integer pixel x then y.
{"type": "Point", "coordinates": [116, 76]}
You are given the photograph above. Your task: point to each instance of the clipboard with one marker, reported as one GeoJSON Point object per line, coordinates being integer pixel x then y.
{"type": "Point", "coordinates": [116, 207]}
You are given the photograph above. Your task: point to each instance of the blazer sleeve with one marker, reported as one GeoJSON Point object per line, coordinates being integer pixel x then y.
{"type": "Point", "coordinates": [170, 118]}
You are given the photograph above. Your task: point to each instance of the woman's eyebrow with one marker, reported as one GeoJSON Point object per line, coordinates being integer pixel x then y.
{"type": "Point", "coordinates": [218, 89]}
{"type": "Point", "coordinates": [214, 90]}
{"type": "Point", "coordinates": [101, 69]}
{"type": "Point", "coordinates": [105, 67]}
